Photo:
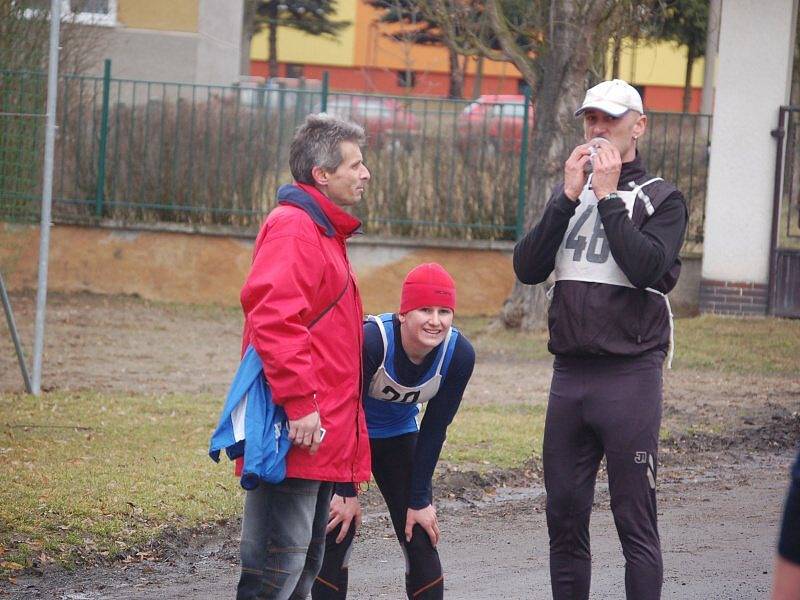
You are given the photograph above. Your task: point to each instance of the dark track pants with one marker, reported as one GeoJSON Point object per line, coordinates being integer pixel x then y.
{"type": "Point", "coordinates": [597, 406]}
{"type": "Point", "coordinates": [392, 461]}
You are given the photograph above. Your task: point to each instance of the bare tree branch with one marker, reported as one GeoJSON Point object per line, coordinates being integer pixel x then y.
{"type": "Point", "coordinates": [522, 60]}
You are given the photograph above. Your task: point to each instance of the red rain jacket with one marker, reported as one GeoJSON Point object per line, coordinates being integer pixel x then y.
{"type": "Point", "coordinates": [299, 268]}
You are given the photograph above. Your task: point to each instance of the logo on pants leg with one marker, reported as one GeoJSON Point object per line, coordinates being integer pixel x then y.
{"type": "Point", "coordinates": [645, 458]}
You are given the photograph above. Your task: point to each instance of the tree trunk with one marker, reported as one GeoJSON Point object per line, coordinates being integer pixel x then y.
{"type": "Point", "coordinates": [559, 89]}
{"type": "Point", "coordinates": [273, 39]}
{"type": "Point", "coordinates": [687, 83]}
{"type": "Point", "coordinates": [456, 76]}
{"type": "Point", "coordinates": [478, 83]}
{"type": "Point", "coordinates": [615, 55]}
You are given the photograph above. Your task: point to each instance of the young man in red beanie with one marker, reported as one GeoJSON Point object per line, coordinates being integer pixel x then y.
{"type": "Point", "coordinates": [411, 357]}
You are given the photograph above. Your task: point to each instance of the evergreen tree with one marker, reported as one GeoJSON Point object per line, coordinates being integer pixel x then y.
{"type": "Point", "coordinates": [311, 16]}
{"type": "Point", "coordinates": [684, 22]}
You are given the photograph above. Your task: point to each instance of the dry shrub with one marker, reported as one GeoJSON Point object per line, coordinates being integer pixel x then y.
{"type": "Point", "coordinates": [439, 187]}
{"type": "Point", "coordinates": [196, 155]}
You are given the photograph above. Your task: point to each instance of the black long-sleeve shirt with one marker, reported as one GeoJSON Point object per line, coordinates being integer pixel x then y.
{"type": "Point", "coordinates": [597, 318]}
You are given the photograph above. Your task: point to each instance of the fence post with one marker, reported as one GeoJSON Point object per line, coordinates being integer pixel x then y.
{"type": "Point", "coordinates": [12, 327]}
{"type": "Point", "coordinates": [101, 161]}
{"type": "Point", "coordinates": [523, 165]}
{"type": "Point", "coordinates": [324, 103]}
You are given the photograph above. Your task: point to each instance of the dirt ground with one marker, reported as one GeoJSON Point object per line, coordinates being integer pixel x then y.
{"type": "Point", "coordinates": [721, 484]}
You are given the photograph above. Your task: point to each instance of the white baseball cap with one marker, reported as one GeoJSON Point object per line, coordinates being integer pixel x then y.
{"type": "Point", "coordinates": [615, 97]}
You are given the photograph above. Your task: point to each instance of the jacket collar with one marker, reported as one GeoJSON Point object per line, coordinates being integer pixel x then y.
{"type": "Point", "coordinates": [327, 215]}
{"type": "Point", "coordinates": [633, 170]}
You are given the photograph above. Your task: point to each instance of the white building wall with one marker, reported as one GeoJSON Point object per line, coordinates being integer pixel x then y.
{"type": "Point", "coordinates": [220, 37]}
{"type": "Point", "coordinates": [141, 54]}
{"type": "Point", "coordinates": [209, 56]}
{"type": "Point", "coordinates": [753, 80]}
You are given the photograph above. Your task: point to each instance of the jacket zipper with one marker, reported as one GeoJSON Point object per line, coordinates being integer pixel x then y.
{"type": "Point", "coordinates": [358, 395]}
{"type": "Point", "coordinates": [354, 460]}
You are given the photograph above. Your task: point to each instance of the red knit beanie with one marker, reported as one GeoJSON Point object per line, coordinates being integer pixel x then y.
{"type": "Point", "coordinates": [428, 285]}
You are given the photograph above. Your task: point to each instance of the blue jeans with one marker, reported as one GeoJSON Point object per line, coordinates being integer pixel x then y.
{"type": "Point", "coordinates": [283, 539]}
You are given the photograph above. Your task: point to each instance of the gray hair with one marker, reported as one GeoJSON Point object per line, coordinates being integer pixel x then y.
{"type": "Point", "coordinates": [317, 144]}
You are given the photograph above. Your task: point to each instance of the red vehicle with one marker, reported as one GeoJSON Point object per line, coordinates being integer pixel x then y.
{"type": "Point", "coordinates": [386, 121]}
{"type": "Point", "coordinates": [495, 119]}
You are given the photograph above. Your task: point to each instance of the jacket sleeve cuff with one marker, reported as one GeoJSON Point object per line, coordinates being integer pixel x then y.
{"type": "Point", "coordinates": [564, 205]}
{"type": "Point", "coordinates": [611, 206]}
{"type": "Point", "coordinates": [345, 490]}
{"type": "Point", "coordinates": [298, 408]}
{"type": "Point", "coordinates": [418, 501]}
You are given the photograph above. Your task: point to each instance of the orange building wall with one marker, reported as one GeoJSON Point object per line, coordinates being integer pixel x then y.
{"type": "Point", "coordinates": [377, 59]}
{"type": "Point", "coordinates": [373, 48]}
{"type": "Point", "coordinates": [670, 98]}
{"type": "Point", "coordinates": [384, 81]}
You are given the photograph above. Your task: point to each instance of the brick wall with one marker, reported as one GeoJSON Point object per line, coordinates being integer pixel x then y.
{"type": "Point", "coordinates": [733, 298]}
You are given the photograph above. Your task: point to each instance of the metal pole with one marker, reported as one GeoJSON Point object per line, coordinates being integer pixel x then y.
{"type": "Point", "coordinates": [101, 162]}
{"type": "Point", "coordinates": [47, 194]}
{"type": "Point", "coordinates": [523, 166]}
{"type": "Point", "coordinates": [777, 196]}
{"type": "Point", "coordinates": [12, 326]}
{"type": "Point", "coordinates": [324, 103]}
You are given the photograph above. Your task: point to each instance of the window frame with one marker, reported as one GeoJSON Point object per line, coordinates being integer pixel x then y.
{"type": "Point", "coordinates": [81, 17]}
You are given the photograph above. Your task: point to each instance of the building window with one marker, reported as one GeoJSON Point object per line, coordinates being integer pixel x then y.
{"type": "Point", "coordinates": [294, 71]}
{"type": "Point", "coordinates": [406, 79]}
{"type": "Point", "coordinates": [87, 12]}
{"type": "Point", "coordinates": [92, 12]}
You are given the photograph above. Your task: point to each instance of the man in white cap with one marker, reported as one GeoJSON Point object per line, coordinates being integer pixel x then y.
{"type": "Point", "coordinates": [611, 239]}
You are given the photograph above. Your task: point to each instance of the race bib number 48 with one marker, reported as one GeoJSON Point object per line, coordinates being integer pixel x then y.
{"type": "Point", "coordinates": [590, 238]}
{"type": "Point", "coordinates": [585, 254]}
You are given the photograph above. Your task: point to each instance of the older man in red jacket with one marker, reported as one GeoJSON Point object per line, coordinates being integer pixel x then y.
{"type": "Point", "coordinates": [303, 316]}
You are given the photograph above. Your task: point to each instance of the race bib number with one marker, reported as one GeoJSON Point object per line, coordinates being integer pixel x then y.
{"type": "Point", "coordinates": [587, 238]}
{"type": "Point", "coordinates": [392, 395]}
{"type": "Point", "coordinates": [585, 254]}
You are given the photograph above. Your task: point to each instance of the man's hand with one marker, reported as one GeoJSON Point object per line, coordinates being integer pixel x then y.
{"type": "Point", "coordinates": [305, 432]}
{"type": "Point", "coordinates": [574, 174]}
{"type": "Point", "coordinates": [425, 518]}
{"type": "Point", "coordinates": [607, 165]}
{"type": "Point", "coordinates": [343, 510]}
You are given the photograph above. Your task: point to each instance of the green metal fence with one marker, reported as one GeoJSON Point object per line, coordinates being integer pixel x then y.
{"type": "Point", "coordinates": [22, 111]}
{"type": "Point", "coordinates": [155, 151]}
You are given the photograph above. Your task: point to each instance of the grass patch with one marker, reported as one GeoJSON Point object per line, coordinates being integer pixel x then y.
{"type": "Point", "coordinates": [494, 437]}
{"type": "Point", "coordinates": [88, 476]}
{"type": "Point", "coordinates": [95, 476]}
{"type": "Point", "coordinates": [761, 346]}
{"type": "Point", "coordinates": [489, 337]}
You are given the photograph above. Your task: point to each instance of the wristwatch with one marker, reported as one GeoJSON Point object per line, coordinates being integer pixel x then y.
{"type": "Point", "coordinates": [610, 196]}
